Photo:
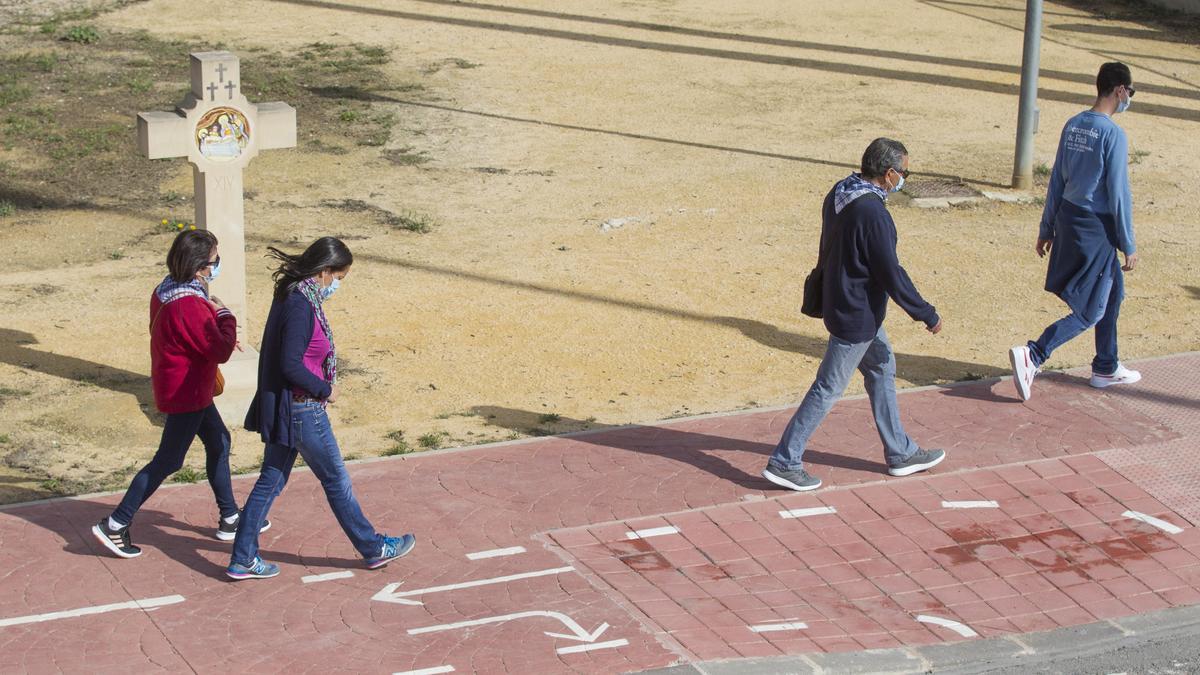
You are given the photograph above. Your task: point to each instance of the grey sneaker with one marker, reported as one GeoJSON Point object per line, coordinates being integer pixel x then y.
{"type": "Point", "coordinates": [920, 461]}
{"type": "Point", "coordinates": [800, 480]}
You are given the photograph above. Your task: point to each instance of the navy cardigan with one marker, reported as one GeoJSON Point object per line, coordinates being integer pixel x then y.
{"type": "Point", "coordinates": [281, 369]}
{"type": "Point", "coordinates": [862, 270]}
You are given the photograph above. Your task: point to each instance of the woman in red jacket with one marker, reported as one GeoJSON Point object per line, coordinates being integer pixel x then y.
{"type": "Point", "coordinates": [190, 333]}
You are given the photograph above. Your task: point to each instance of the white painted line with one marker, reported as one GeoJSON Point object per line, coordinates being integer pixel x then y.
{"type": "Point", "coordinates": [99, 609]}
{"type": "Point", "coordinates": [315, 578]}
{"type": "Point", "coordinates": [804, 513]}
{"type": "Point", "coordinates": [988, 504]}
{"type": "Point", "coordinates": [1160, 524]}
{"type": "Point", "coordinates": [496, 553]}
{"type": "Point", "coordinates": [575, 649]}
{"type": "Point", "coordinates": [389, 594]}
{"type": "Point", "coordinates": [427, 671]}
{"type": "Point", "coordinates": [652, 532]}
{"type": "Point", "coordinates": [774, 627]}
{"type": "Point", "coordinates": [948, 623]}
{"type": "Point", "coordinates": [577, 632]}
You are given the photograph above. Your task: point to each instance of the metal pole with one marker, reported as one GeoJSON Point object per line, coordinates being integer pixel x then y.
{"type": "Point", "coordinates": [1027, 115]}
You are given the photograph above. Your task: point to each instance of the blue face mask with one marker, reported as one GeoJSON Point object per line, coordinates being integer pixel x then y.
{"type": "Point", "coordinates": [1123, 105]}
{"type": "Point", "coordinates": [899, 186]}
{"type": "Point", "coordinates": [216, 271]}
{"type": "Point", "coordinates": [328, 290]}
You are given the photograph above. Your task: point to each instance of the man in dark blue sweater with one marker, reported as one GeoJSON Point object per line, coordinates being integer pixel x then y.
{"type": "Point", "coordinates": [861, 271]}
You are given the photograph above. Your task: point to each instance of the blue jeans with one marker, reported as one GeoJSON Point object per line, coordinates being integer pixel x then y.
{"type": "Point", "coordinates": [875, 360]}
{"type": "Point", "coordinates": [179, 430]}
{"type": "Point", "coordinates": [1072, 325]}
{"type": "Point", "coordinates": [316, 443]}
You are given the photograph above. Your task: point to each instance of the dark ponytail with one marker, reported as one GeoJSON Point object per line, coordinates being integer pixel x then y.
{"type": "Point", "coordinates": [326, 253]}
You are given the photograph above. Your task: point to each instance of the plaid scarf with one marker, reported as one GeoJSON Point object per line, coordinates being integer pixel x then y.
{"type": "Point", "coordinates": [852, 187]}
{"type": "Point", "coordinates": [170, 289]}
{"type": "Point", "coordinates": [312, 292]}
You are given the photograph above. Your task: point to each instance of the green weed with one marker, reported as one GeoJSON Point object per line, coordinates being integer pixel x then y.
{"type": "Point", "coordinates": [7, 208]}
{"type": "Point", "coordinates": [432, 440]}
{"type": "Point", "coordinates": [411, 222]}
{"type": "Point", "coordinates": [139, 84]}
{"type": "Point", "coordinates": [187, 475]}
{"type": "Point", "coordinates": [84, 35]}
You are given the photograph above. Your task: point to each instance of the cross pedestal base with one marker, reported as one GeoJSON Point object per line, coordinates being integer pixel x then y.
{"type": "Point", "coordinates": [241, 380]}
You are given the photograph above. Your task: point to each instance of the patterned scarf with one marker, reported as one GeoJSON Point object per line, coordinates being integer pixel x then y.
{"type": "Point", "coordinates": [170, 289]}
{"type": "Point", "coordinates": [312, 292]}
{"type": "Point", "coordinates": [852, 187]}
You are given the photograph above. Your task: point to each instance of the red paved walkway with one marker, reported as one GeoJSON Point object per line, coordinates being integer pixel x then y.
{"type": "Point", "coordinates": [1056, 550]}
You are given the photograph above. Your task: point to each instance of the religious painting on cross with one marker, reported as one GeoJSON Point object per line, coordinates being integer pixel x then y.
{"type": "Point", "coordinates": [222, 134]}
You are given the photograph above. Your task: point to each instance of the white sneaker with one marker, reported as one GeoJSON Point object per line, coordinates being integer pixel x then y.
{"type": "Point", "coordinates": [1023, 371]}
{"type": "Point", "coordinates": [1122, 375]}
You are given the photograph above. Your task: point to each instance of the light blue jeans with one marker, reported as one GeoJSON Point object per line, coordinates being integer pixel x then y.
{"type": "Point", "coordinates": [316, 444]}
{"type": "Point", "coordinates": [874, 358]}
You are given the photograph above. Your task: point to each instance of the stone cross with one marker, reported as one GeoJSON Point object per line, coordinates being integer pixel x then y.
{"type": "Point", "coordinates": [219, 132]}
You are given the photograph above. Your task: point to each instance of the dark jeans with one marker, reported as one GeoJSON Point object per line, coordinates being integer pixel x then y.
{"type": "Point", "coordinates": [178, 432]}
{"type": "Point", "coordinates": [316, 443]}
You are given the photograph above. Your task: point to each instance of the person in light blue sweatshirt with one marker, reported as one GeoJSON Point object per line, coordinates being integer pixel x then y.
{"type": "Point", "coordinates": [1087, 219]}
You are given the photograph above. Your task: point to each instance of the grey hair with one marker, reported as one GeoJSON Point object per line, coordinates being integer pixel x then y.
{"type": "Point", "coordinates": [882, 154]}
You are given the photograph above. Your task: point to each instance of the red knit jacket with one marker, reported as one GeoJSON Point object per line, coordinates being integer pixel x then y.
{"type": "Point", "coordinates": [186, 344]}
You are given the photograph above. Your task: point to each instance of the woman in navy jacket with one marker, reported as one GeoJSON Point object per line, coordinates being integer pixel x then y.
{"type": "Point", "coordinates": [297, 379]}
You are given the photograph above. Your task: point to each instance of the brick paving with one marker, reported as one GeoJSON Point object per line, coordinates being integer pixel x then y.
{"type": "Point", "coordinates": [1056, 550]}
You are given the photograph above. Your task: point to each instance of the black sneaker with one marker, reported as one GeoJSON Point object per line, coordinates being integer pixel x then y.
{"type": "Point", "coordinates": [116, 541]}
{"type": "Point", "coordinates": [920, 460]}
{"type": "Point", "coordinates": [800, 480]}
{"type": "Point", "coordinates": [228, 531]}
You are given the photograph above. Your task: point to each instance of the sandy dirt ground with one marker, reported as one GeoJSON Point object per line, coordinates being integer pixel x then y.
{"type": "Point", "coordinates": [623, 216]}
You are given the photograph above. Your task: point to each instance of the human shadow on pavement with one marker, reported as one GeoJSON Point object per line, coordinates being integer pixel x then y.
{"type": "Point", "coordinates": [689, 447]}
{"type": "Point", "coordinates": [1136, 391]}
{"type": "Point", "coordinates": [15, 350]}
{"type": "Point", "coordinates": [158, 533]}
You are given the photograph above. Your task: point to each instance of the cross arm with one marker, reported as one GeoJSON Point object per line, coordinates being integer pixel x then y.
{"type": "Point", "coordinates": [276, 125]}
{"type": "Point", "coordinates": [162, 134]}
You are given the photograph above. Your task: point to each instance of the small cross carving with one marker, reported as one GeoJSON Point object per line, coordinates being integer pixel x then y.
{"type": "Point", "coordinates": [212, 91]}
{"type": "Point", "coordinates": [221, 71]}
{"type": "Point", "coordinates": [230, 87]}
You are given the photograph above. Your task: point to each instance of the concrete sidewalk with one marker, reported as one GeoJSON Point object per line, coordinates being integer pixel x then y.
{"type": "Point", "coordinates": [652, 546]}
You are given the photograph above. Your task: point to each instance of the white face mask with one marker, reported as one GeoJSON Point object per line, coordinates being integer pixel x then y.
{"type": "Point", "coordinates": [215, 271]}
{"type": "Point", "coordinates": [328, 290]}
{"type": "Point", "coordinates": [898, 186]}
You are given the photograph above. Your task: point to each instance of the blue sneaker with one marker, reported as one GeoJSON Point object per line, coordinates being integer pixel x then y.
{"type": "Point", "coordinates": [259, 569]}
{"type": "Point", "coordinates": [393, 547]}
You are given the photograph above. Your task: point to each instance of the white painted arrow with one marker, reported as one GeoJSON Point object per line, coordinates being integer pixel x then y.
{"type": "Point", "coordinates": [389, 593]}
{"type": "Point", "coordinates": [577, 631]}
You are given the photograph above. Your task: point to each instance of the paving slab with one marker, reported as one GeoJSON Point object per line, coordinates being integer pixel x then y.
{"type": "Point", "coordinates": [653, 546]}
